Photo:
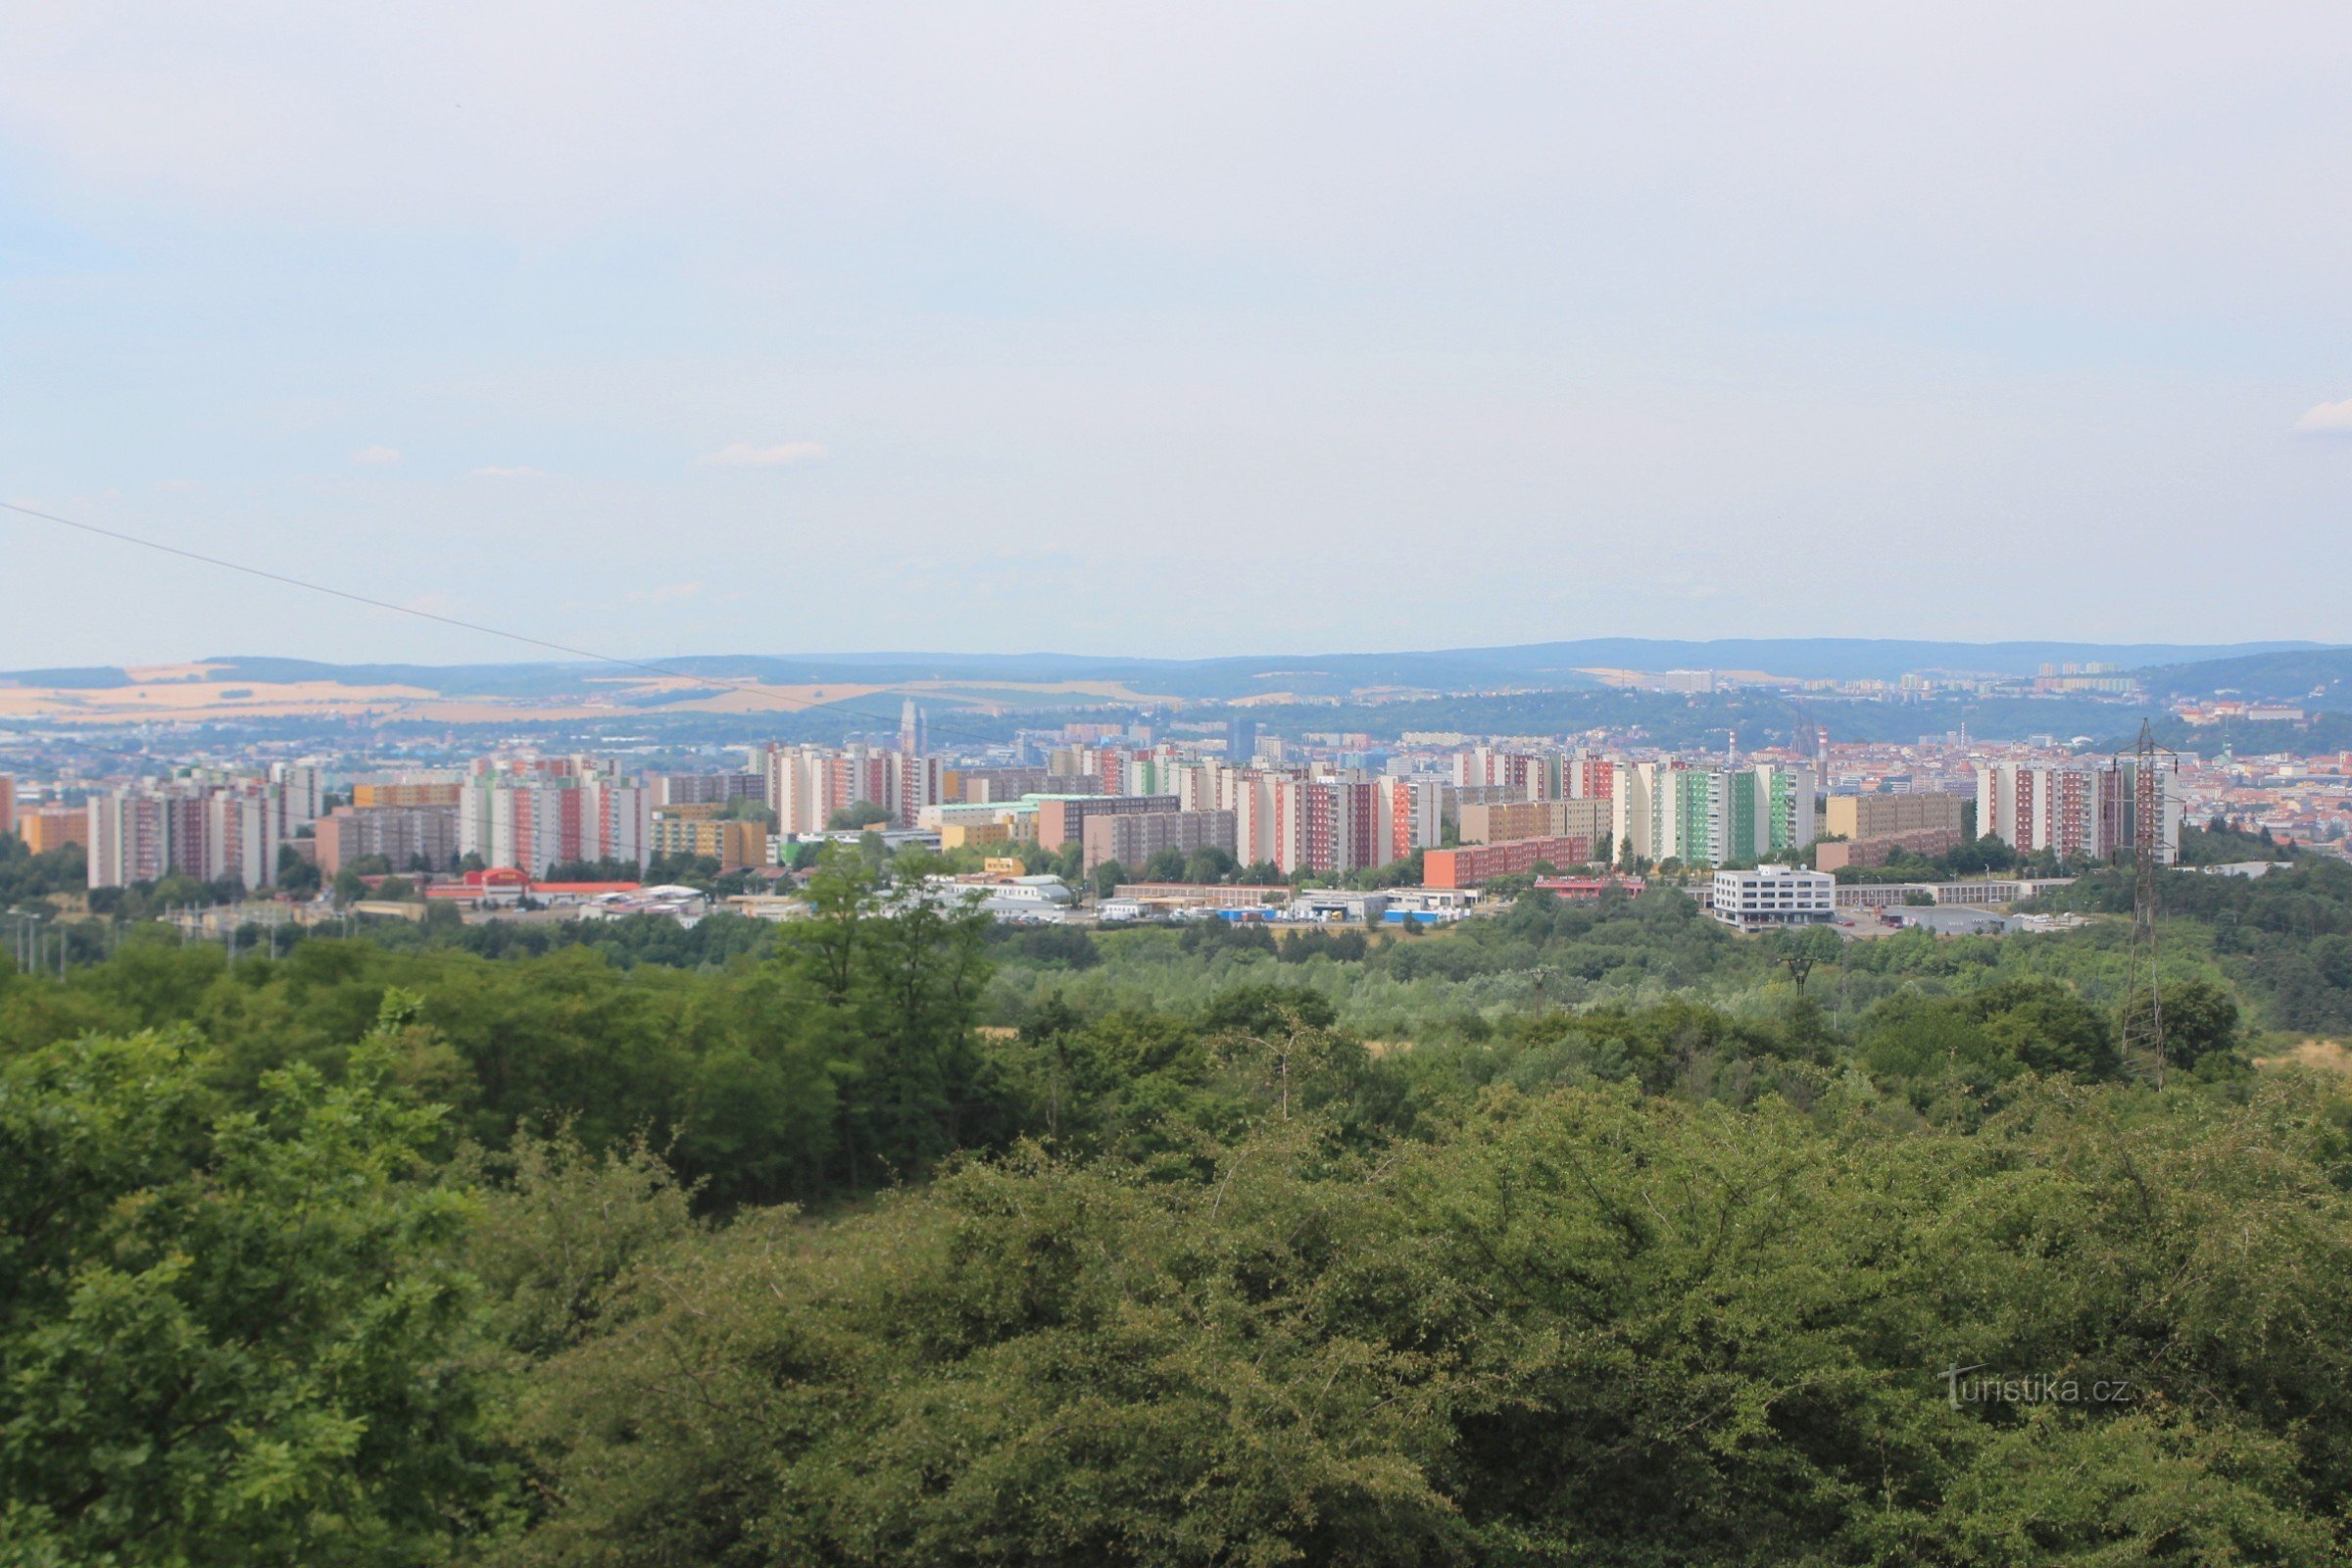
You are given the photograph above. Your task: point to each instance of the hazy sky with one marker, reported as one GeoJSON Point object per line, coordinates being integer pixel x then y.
{"type": "Point", "coordinates": [1172, 329]}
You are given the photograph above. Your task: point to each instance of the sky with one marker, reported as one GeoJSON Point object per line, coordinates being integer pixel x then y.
{"type": "Point", "coordinates": [1170, 331]}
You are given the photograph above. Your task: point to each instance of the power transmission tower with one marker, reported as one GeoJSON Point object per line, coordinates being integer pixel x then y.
{"type": "Point", "coordinates": [1798, 965]}
{"type": "Point", "coordinates": [2142, 1024]}
{"type": "Point", "coordinates": [1812, 739]}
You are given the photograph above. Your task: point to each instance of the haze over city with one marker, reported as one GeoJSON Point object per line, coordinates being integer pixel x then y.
{"type": "Point", "coordinates": [1171, 330]}
{"type": "Point", "coordinates": [1161, 786]}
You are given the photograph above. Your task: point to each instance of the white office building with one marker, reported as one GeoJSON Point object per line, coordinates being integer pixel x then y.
{"type": "Point", "coordinates": [1774, 895]}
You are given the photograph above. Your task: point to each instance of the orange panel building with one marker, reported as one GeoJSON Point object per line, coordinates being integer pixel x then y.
{"type": "Point", "coordinates": [53, 828]}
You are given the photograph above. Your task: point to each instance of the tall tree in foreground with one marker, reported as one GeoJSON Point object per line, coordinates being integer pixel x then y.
{"type": "Point", "coordinates": [226, 1337]}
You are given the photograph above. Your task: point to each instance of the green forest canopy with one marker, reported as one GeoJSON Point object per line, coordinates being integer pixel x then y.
{"type": "Point", "coordinates": [893, 1237]}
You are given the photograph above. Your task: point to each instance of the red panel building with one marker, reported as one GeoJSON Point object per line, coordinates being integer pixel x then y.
{"type": "Point", "coordinates": [1474, 864]}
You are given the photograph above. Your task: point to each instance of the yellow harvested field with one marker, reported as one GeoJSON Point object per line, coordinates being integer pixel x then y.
{"type": "Point", "coordinates": [192, 699]}
{"type": "Point", "coordinates": [2327, 1056]}
{"type": "Point", "coordinates": [181, 693]}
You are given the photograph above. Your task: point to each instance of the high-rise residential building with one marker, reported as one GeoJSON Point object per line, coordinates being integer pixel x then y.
{"type": "Point", "coordinates": [1154, 772]}
{"type": "Point", "coordinates": [1249, 795]}
{"type": "Point", "coordinates": [706, 789]}
{"type": "Point", "coordinates": [531, 822]}
{"type": "Point", "coordinates": [242, 832]}
{"type": "Point", "coordinates": [1325, 825]}
{"type": "Point", "coordinates": [806, 784]}
{"type": "Point", "coordinates": [1521, 775]}
{"type": "Point", "coordinates": [1006, 784]}
{"type": "Point", "coordinates": [1629, 787]}
{"type": "Point", "coordinates": [1792, 802]}
{"type": "Point", "coordinates": [303, 788]}
{"type": "Point", "coordinates": [1688, 827]}
{"type": "Point", "coordinates": [401, 834]}
{"type": "Point", "coordinates": [2078, 811]}
{"type": "Point", "coordinates": [8, 805]}
{"type": "Point", "coordinates": [1711, 815]}
{"type": "Point", "coordinates": [228, 831]}
{"type": "Point", "coordinates": [1413, 813]}
{"type": "Point", "coordinates": [915, 781]}
{"type": "Point", "coordinates": [1197, 786]}
{"type": "Point", "coordinates": [1340, 826]}
{"type": "Point", "coordinates": [1880, 817]}
{"type": "Point", "coordinates": [1061, 819]}
{"type": "Point", "coordinates": [130, 834]}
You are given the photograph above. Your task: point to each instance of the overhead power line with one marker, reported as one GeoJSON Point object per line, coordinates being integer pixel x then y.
{"type": "Point", "coordinates": [713, 683]}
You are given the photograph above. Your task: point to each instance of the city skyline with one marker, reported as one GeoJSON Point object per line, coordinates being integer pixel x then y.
{"type": "Point", "coordinates": [1110, 332]}
{"type": "Point", "coordinates": [1209, 783]}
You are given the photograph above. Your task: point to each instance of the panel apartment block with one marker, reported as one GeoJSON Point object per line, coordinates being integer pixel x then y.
{"type": "Point", "coordinates": [1501, 822]}
{"type": "Point", "coordinates": [401, 835]}
{"type": "Point", "coordinates": [1476, 864]}
{"type": "Point", "coordinates": [1132, 837]}
{"type": "Point", "coordinates": [1886, 816]}
{"type": "Point", "coordinates": [1061, 820]}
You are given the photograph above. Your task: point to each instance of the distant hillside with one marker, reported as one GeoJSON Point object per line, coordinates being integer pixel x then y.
{"type": "Point", "coordinates": [2323, 732]}
{"type": "Point", "coordinates": [2292, 669]}
{"type": "Point", "coordinates": [1851, 657]}
{"type": "Point", "coordinates": [2308, 677]}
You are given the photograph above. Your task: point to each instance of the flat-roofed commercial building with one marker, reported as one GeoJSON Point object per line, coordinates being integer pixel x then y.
{"type": "Point", "coordinates": [1203, 895]}
{"type": "Point", "coordinates": [1774, 895]}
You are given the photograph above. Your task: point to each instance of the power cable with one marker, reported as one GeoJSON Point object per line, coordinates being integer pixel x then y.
{"type": "Point", "coordinates": [797, 704]}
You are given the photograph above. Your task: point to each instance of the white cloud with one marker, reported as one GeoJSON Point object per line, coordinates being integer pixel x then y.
{"type": "Point", "coordinates": [2326, 418]}
{"type": "Point", "coordinates": [744, 455]}
{"type": "Point", "coordinates": [521, 471]}
{"type": "Point", "coordinates": [180, 487]}
{"type": "Point", "coordinates": [669, 594]}
{"type": "Point", "coordinates": [376, 457]}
